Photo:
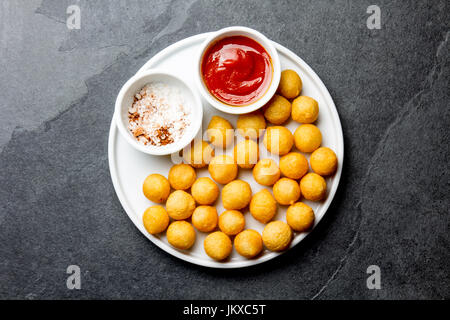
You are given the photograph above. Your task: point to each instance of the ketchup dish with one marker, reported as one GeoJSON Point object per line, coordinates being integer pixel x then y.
{"type": "Point", "coordinates": [238, 70]}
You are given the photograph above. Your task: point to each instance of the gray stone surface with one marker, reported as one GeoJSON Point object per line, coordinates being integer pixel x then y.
{"type": "Point", "coordinates": [58, 206]}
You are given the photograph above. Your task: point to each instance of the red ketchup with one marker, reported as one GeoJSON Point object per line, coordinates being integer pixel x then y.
{"type": "Point", "coordinates": [237, 70]}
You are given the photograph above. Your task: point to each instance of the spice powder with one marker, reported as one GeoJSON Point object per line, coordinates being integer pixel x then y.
{"type": "Point", "coordinates": [159, 115]}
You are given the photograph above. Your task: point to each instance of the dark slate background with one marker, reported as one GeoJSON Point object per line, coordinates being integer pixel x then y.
{"type": "Point", "coordinates": [58, 206]}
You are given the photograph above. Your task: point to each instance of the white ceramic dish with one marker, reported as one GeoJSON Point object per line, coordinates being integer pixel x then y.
{"type": "Point", "coordinates": [265, 43]}
{"type": "Point", "coordinates": [133, 86]}
{"type": "Point", "coordinates": [129, 167]}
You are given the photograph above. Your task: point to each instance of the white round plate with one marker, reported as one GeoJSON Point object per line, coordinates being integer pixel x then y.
{"type": "Point", "coordinates": [130, 167]}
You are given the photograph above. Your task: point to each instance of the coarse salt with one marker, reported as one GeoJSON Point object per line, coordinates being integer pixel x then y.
{"type": "Point", "coordinates": [159, 114]}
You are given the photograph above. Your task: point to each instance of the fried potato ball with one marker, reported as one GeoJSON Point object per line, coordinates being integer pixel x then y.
{"type": "Point", "coordinates": [220, 132]}
{"type": "Point", "coordinates": [251, 125]}
{"type": "Point", "coordinates": [278, 140]}
{"type": "Point", "coordinates": [286, 191]}
{"type": "Point", "coordinates": [313, 187]}
{"type": "Point", "coordinates": [277, 235]}
{"type": "Point", "coordinates": [181, 235]}
{"type": "Point", "coordinates": [182, 176]}
{"type": "Point", "coordinates": [263, 206]}
{"type": "Point", "coordinates": [300, 217]}
{"type": "Point", "coordinates": [231, 222]}
{"type": "Point", "coordinates": [305, 109]}
{"type": "Point", "coordinates": [205, 218]}
{"type": "Point", "coordinates": [246, 153]}
{"type": "Point", "coordinates": [180, 205]}
{"type": "Point", "coordinates": [248, 243]}
{"type": "Point", "coordinates": [218, 245]}
{"type": "Point", "coordinates": [293, 165]}
{"type": "Point", "coordinates": [205, 191]}
{"type": "Point", "coordinates": [199, 154]}
{"type": "Point", "coordinates": [277, 110]}
{"type": "Point", "coordinates": [223, 169]}
{"type": "Point", "coordinates": [323, 161]}
{"type": "Point", "coordinates": [266, 172]}
{"type": "Point", "coordinates": [307, 138]}
{"type": "Point", "coordinates": [236, 195]}
{"type": "Point", "coordinates": [155, 219]}
{"type": "Point", "coordinates": [156, 188]}
{"type": "Point", "coordinates": [290, 84]}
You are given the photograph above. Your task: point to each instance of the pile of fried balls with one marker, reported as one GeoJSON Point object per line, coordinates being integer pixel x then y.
{"type": "Point", "coordinates": [289, 180]}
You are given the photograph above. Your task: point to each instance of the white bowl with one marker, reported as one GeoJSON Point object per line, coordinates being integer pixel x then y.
{"type": "Point", "coordinates": [125, 99]}
{"type": "Point", "coordinates": [265, 43]}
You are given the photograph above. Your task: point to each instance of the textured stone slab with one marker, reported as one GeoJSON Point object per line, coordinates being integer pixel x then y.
{"type": "Point", "coordinates": [58, 206]}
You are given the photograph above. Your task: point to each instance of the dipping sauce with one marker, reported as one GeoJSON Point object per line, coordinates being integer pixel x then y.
{"type": "Point", "coordinates": [237, 70]}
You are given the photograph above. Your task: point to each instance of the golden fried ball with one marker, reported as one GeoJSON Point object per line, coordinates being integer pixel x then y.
{"type": "Point", "coordinates": [223, 169]}
{"type": "Point", "coordinates": [182, 176]}
{"type": "Point", "coordinates": [290, 84]}
{"type": "Point", "coordinates": [251, 125]}
{"type": "Point", "coordinates": [156, 188]}
{"type": "Point", "coordinates": [278, 140]}
{"type": "Point", "coordinates": [277, 236]}
{"type": "Point", "coordinates": [266, 172]}
{"type": "Point", "coordinates": [205, 218]}
{"type": "Point", "coordinates": [220, 132]}
{"type": "Point", "coordinates": [205, 191]}
{"type": "Point", "coordinates": [248, 243]}
{"type": "Point", "coordinates": [199, 154]}
{"type": "Point", "coordinates": [231, 222]}
{"type": "Point", "coordinates": [181, 234]}
{"type": "Point", "coordinates": [263, 206]}
{"type": "Point", "coordinates": [307, 138]}
{"type": "Point", "coordinates": [300, 217]}
{"type": "Point", "coordinates": [236, 195]}
{"type": "Point", "coordinates": [180, 205]}
{"type": "Point", "coordinates": [305, 109]}
{"type": "Point", "coordinates": [218, 245]}
{"type": "Point", "coordinates": [277, 110]}
{"type": "Point", "coordinates": [286, 191]}
{"type": "Point", "coordinates": [313, 187]}
{"type": "Point", "coordinates": [293, 165]}
{"type": "Point", "coordinates": [323, 161]}
{"type": "Point", "coordinates": [155, 219]}
{"type": "Point", "coordinates": [246, 153]}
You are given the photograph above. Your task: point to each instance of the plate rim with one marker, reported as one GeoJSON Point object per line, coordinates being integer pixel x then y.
{"type": "Point", "coordinates": [210, 263]}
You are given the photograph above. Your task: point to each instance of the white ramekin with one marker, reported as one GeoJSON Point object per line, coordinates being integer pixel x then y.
{"type": "Point", "coordinates": [133, 86]}
{"type": "Point", "coordinates": [265, 43]}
